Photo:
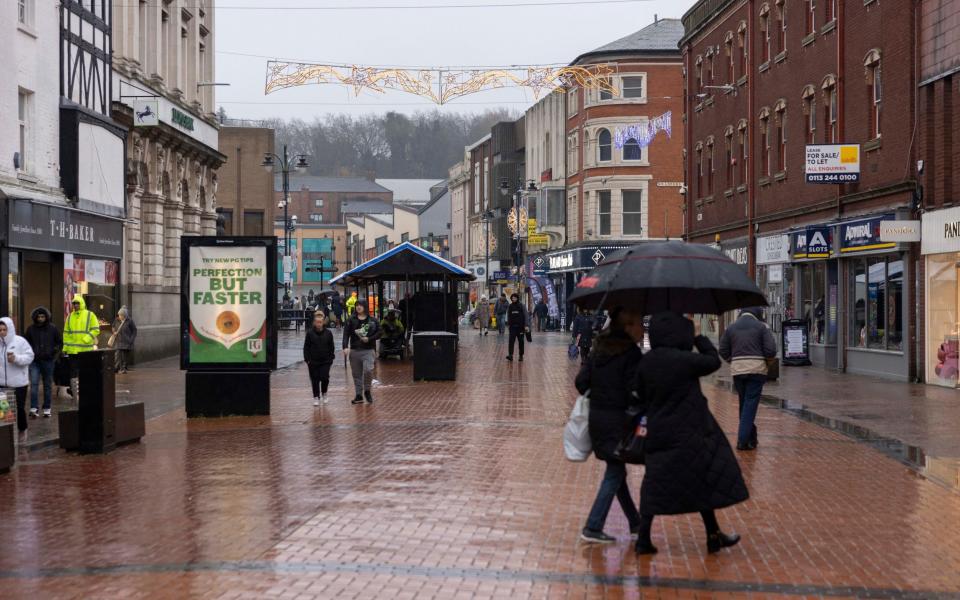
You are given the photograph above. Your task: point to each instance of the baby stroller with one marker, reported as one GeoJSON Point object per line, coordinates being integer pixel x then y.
{"type": "Point", "coordinates": [392, 343]}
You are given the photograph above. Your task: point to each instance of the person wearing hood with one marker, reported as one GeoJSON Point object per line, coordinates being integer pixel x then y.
{"type": "Point", "coordinates": [690, 466]}
{"type": "Point", "coordinates": [747, 345]}
{"type": "Point", "coordinates": [124, 335]}
{"type": "Point", "coordinates": [318, 353]}
{"type": "Point", "coordinates": [608, 376]}
{"type": "Point", "coordinates": [47, 343]}
{"type": "Point", "coordinates": [17, 356]}
{"type": "Point", "coordinates": [79, 335]}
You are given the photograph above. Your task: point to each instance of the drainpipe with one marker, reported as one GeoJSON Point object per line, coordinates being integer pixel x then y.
{"type": "Point", "coordinates": [688, 143]}
{"type": "Point", "coordinates": [751, 137]}
{"type": "Point", "coordinates": [843, 291]}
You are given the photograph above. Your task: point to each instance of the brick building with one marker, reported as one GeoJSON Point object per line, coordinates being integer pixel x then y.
{"type": "Point", "coordinates": [619, 190]}
{"type": "Point", "coordinates": [938, 103]}
{"type": "Point", "coordinates": [245, 199]}
{"type": "Point", "coordinates": [764, 79]}
{"type": "Point", "coordinates": [317, 200]}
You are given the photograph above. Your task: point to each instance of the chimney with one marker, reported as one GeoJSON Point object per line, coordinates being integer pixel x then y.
{"type": "Point", "coordinates": [656, 19]}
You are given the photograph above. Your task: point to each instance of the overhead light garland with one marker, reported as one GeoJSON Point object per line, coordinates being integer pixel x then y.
{"type": "Point", "coordinates": [438, 84]}
{"type": "Point", "coordinates": [643, 134]}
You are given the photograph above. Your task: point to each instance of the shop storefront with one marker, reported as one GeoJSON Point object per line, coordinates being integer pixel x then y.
{"type": "Point", "coordinates": [562, 269]}
{"type": "Point", "coordinates": [773, 270]}
{"type": "Point", "coordinates": [849, 286]}
{"type": "Point", "coordinates": [941, 254]}
{"type": "Point", "coordinates": [54, 252]}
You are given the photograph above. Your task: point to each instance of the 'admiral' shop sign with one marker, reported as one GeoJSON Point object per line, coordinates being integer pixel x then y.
{"type": "Point", "coordinates": [37, 226]}
{"type": "Point", "coordinates": [863, 236]}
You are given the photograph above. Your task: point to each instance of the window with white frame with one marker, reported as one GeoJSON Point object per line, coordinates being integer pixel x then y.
{"type": "Point", "coordinates": [810, 112]}
{"type": "Point", "coordinates": [605, 93]}
{"type": "Point", "coordinates": [604, 146]}
{"type": "Point", "coordinates": [781, 116]}
{"type": "Point", "coordinates": [25, 12]}
{"type": "Point", "coordinates": [742, 44]}
{"type": "Point", "coordinates": [316, 218]}
{"type": "Point", "coordinates": [744, 141]}
{"type": "Point", "coordinates": [811, 15]}
{"type": "Point", "coordinates": [831, 116]}
{"type": "Point", "coordinates": [572, 101]}
{"type": "Point", "coordinates": [572, 153]}
{"type": "Point", "coordinates": [486, 184]}
{"type": "Point", "coordinates": [632, 212]}
{"type": "Point", "coordinates": [24, 98]}
{"type": "Point", "coordinates": [632, 150]}
{"type": "Point", "coordinates": [476, 188]}
{"type": "Point", "coordinates": [765, 142]}
{"type": "Point", "coordinates": [875, 83]}
{"type": "Point", "coordinates": [634, 86]}
{"type": "Point", "coordinates": [728, 157]}
{"type": "Point", "coordinates": [318, 202]}
{"type": "Point", "coordinates": [781, 26]}
{"type": "Point", "coordinates": [710, 166]}
{"type": "Point", "coordinates": [731, 79]}
{"type": "Point", "coordinates": [604, 211]}
{"type": "Point", "coordinates": [765, 34]}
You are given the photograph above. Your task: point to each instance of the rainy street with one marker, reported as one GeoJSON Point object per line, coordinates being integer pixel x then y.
{"type": "Point", "coordinates": [455, 490]}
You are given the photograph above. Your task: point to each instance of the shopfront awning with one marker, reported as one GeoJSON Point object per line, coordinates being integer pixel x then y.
{"type": "Point", "coordinates": [406, 262]}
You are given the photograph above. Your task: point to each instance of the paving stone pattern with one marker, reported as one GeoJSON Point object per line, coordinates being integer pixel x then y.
{"type": "Point", "coordinates": [454, 490]}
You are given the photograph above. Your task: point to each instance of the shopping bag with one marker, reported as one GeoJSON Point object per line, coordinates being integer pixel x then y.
{"type": "Point", "coordinates": [573, 351]}
{"type": "Point", "coordinates": [576, 435]}
{"type": "Point", "coordinates": [631, 448]}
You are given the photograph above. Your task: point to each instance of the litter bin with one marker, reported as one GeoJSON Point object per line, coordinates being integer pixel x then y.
{"type": "Point", "coordinates": [434, 355]}
{"type": "Point", "coordinates": [97, 402]}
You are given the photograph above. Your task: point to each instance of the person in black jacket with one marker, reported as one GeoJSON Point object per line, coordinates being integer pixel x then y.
{"type": "Point", "coordinates": [519, 323]}
{"type": "Point", "coordinates": [583, 330]}
{"type": "Point", "coordinates": [690, 466]}
{"type": "Point", "coordinates": [608, 376]}
{"type": "Point", "coordinates": [47, 343]}
{"type": "Point", "coordinates": [318, 353]}
{"type": "Point", "coordinates": [360, 336]}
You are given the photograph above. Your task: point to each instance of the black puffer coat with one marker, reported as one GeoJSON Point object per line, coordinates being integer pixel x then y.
{"type": "Point", "coordinates": [608, 374]}
{"type": "Point", "coordinates": [690, 466]}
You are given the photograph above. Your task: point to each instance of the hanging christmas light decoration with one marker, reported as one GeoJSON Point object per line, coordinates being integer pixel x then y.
{"type": "Point", "coordinates": [642, 134]}
{"type": "Point", "coordinates": [438, 84]}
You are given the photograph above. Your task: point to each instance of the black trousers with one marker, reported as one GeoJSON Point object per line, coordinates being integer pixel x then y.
{"type": "Point", "coordinates": [516, 333]}
{"type": "Point", "coordinates": [709, 523]}
{"type": "Point", "coordinates": [21, 398]}
{"type": "Point", "coordinates": [319, 377]}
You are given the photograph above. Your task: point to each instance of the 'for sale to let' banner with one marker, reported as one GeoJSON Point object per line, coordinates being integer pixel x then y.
{"type": "Point", "coordinates": [228, 304]}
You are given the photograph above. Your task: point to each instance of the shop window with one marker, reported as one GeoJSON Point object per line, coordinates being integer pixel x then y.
{"type": "Point", "coordinates": [877, 303]}
{"type": "Point", "coordinates": [632, 212]}
{"type": "Point", "coordinates": [814, 301]}
{"type": "Point", "coordinates": [604, 146]}
{"type": "Point", "coordinates": [13, 288]}
{"type": "Point", "coordinates": [943, 322]}
{"type": "Point", "coordinates": [603, 211]}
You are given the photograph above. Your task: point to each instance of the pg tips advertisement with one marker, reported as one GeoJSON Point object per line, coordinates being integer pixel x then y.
{"type": "Point", "coordinates": [227, 302]}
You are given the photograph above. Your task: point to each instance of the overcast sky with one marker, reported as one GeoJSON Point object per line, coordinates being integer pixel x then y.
{"type": "Point", "coordinates": [505, 35]}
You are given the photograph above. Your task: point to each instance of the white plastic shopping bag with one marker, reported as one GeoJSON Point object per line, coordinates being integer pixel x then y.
{"type": "Point", "coordinates": [576, 435]}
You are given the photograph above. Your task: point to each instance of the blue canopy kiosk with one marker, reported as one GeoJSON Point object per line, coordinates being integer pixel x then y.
{"type": "Point", "coordinates": [431, 279]}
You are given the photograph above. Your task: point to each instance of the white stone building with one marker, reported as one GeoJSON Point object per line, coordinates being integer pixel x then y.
{"type": "Point", "coordinates": [164, 61]}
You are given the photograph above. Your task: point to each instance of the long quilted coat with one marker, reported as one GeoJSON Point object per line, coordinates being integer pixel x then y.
{"type": "Point", "coordinates": [690, 466]}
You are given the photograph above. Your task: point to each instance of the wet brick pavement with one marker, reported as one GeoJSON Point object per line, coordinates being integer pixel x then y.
{"type": "Point", "coordinates": [454, 490]}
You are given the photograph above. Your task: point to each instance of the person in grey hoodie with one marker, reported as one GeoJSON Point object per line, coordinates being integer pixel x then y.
{"type": "Point", "coordinates": [746, 345]}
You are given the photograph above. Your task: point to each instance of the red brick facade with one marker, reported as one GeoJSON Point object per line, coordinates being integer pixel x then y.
{"type": "Point", "coordinates": [303, 203]}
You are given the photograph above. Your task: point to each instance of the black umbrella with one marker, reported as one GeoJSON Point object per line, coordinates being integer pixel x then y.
{"type": "Point", "coordinates": [675, 276]}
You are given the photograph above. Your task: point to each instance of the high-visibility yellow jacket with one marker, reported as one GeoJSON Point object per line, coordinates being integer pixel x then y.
{"type": "Point", "coordinates": [81, 329]}
{"type": "Point", "coordinates": [351, 302]}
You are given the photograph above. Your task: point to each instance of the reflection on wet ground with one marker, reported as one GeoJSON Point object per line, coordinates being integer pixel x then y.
{"type": "Point", "coordinates": [455, 489]}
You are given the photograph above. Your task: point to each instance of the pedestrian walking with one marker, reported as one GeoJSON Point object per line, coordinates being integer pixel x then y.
{"type": "Point", "coordinates": [46, 342]}
{"type": "Point", "coordinates": [500, 312]}
{"type": "Point", "coordinates": [690, 466]}
{"type": "Point", "coordinates": [351, 303]}
{"type": "Point", "coordinates": [336, 305]}
{"type": "Point", "coordinates": [541, 311]}
{"type": "Point", "coordinates": [608, 376]}
{"type": "Point", "coordinates": [360, 335]}
{"type": "Point", "coordinates": [122, 339]}
{"type": "Point", "coordinates": [583, 332]}
{"type": "Point", "coordinates": [519, 323]}
{"type": "Point", "coordinates": [318, 353]}
{"type": "Point", "coordinates": [482, 312]}
{"type": "Point", "coordinates": [17, 356]}
{"type": "Point", "coordinates": [747, 345]}
{"type": "Point", "coordinates": [79, 335]}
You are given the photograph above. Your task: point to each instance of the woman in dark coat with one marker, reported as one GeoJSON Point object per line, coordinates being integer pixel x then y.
{"type": "Point", "coordinates": [608, 375]}
{"type": "Point", "coordinates": [690, 466]}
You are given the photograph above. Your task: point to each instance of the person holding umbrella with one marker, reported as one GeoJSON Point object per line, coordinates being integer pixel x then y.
{"type": "Point", "coordinates": [690, 466]}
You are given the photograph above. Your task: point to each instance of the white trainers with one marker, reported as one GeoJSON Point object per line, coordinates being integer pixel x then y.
{"type": "Point", "coordinates": [46, 413]}
{"type": "Point", "coordinates": [316, 401]}
{"type": "Point", "coordinates": [324, 399]}
{"type": "Point", "coordinates": [34, 413]}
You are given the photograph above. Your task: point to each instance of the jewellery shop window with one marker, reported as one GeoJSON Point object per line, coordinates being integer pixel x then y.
{"type": "Point", "coordinates": [943, 323]}
{"type": "Point", "coordinates": [876, 291]}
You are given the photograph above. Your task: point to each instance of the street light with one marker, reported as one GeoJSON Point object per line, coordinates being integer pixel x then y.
{"type": "Point", "coordinates": [271, 162]}
{"type": "Point", "coordinates": [485, 219]}
{"type": "Point", "coordinates": [522, 187]}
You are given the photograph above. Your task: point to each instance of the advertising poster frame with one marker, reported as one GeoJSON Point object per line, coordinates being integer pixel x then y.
{"type": "Point", "coordinates": [792, 356]}
{"type": "Point", "coordinates": [269, 290]}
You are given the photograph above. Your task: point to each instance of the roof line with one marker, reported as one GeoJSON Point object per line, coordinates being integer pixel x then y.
{"type": "Point", "coordinates": [393, 251]}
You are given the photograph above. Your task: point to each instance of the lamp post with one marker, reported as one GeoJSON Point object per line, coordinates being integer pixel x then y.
{"type": "Point", "coordinates": [522, 187]}
{"type": "Point", "coordinates": [284, 163]}
{"type": "Point", "coordinates": [485, 219]}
